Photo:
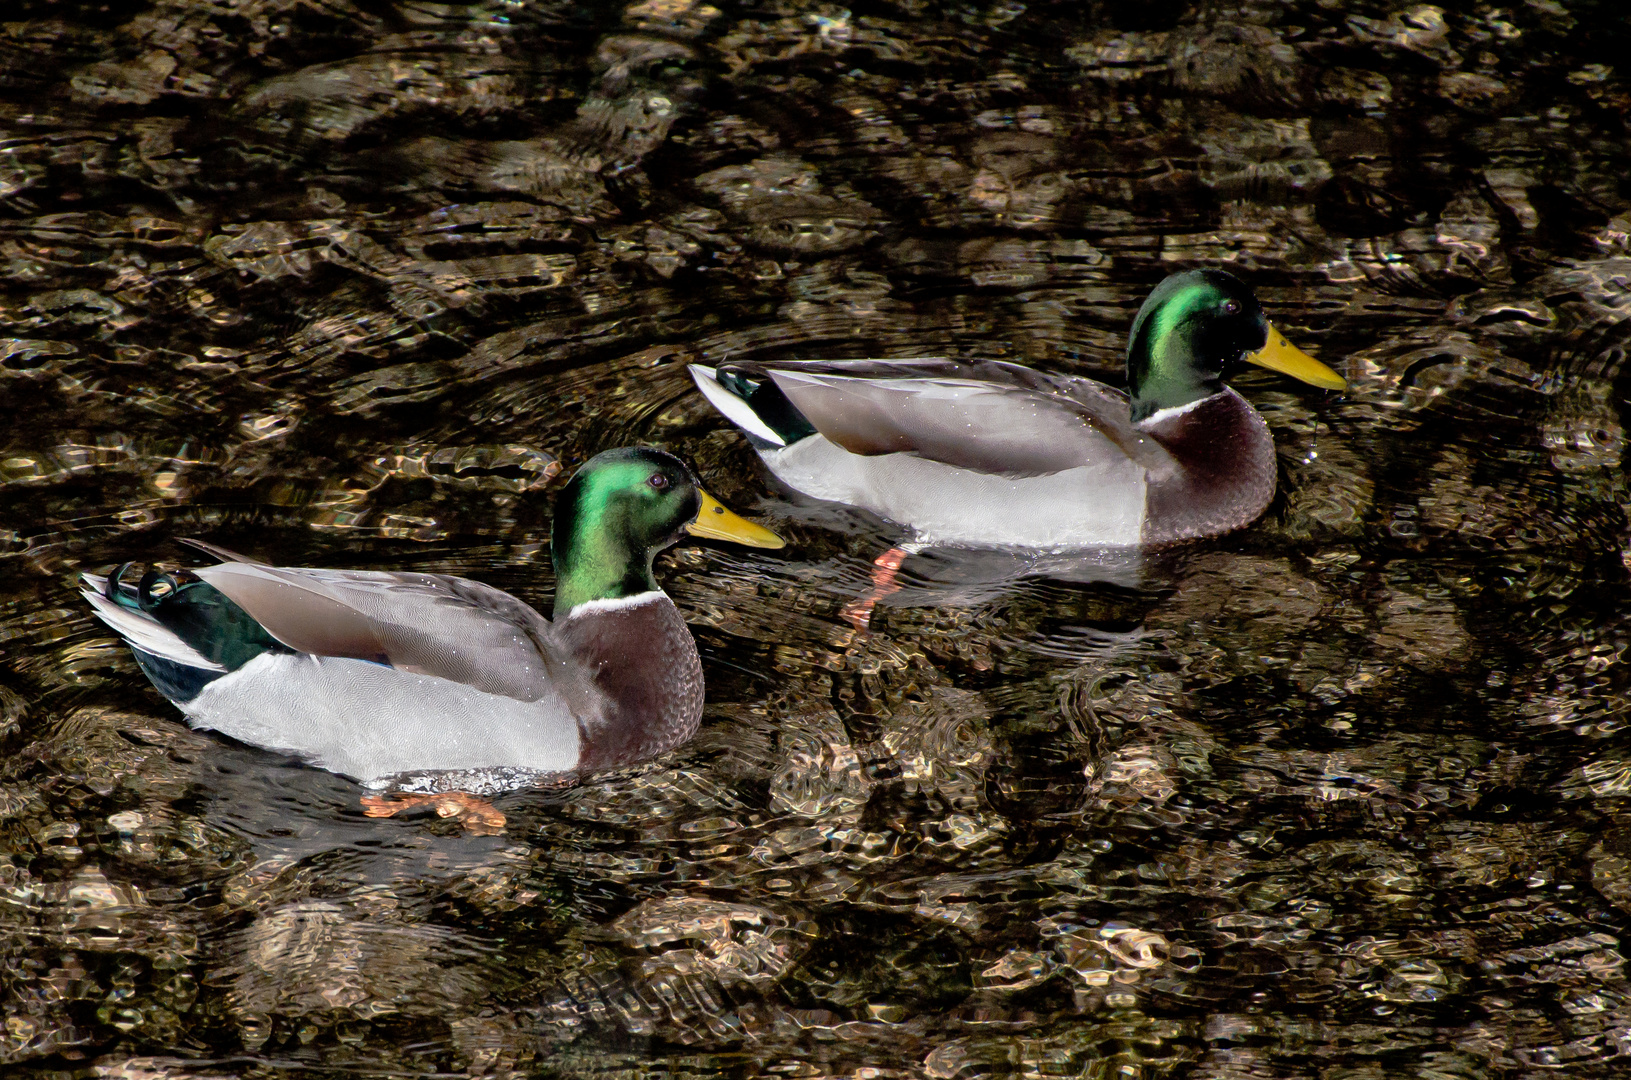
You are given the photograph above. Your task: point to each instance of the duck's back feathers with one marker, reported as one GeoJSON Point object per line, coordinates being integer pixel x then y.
{"type": "Point", "coordinates": [216, 551]}
{"type": "Point", "coordinates": [960, 422]}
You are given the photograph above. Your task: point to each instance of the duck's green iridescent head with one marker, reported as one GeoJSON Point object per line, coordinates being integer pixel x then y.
{"type": "Point", "coordinates": [619, 511]}
{"type": "Point", "coordinates": [1195, 326]}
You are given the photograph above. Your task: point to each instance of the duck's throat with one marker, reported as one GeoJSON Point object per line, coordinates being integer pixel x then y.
{"type": "Point", "coordinates": [592, 565]}
{"type": "Point", "coordinates": [1173, 381]}
{"type": "Point", "coordinates": [587, 576]}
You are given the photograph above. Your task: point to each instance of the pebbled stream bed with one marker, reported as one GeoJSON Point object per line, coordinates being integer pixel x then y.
{"type": "Point", "coordinates": [353, 283]}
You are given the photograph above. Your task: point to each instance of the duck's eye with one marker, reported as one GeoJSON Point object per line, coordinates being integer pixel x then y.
{"type": "Point", "coordinates": [658, 481]}
{"type": "Point", "coordinates": [1231, 307]}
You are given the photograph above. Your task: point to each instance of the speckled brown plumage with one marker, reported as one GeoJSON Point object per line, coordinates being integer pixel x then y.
{"type": "Point", "coordinates": [1226, 471]}
{"type": "Point", "coordinates": [642, 662]}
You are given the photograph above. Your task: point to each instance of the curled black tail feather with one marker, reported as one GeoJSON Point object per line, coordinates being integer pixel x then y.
{"type": "Point", "coordinates": [197, 613]}
{"type": "Point", "coordinates": [117, 591]}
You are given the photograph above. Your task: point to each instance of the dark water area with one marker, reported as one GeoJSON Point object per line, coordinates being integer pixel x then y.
{"type": "Point", "coordinates": [356, 283]}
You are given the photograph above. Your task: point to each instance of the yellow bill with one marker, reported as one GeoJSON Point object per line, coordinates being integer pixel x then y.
{"type": "Point", "coordinates": [1282, 356]}
{"type": "Point", "coordinates": [717, 523]}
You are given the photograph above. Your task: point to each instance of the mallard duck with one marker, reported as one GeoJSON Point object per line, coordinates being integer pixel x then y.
{"type": "Point", "coordinates": [995, 454]}
{"type": "Point", "coordinates": [375, 674]}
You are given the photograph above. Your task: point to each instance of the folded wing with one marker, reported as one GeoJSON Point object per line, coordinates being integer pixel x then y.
{"type": "Point", "coordinates": [988, 416]}
{"type": "Point", "coordinates": [424, 623]}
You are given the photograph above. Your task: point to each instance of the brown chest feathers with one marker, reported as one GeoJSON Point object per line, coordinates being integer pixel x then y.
{"type": "Point", "coordinates": [640, 665]}
{"type": "Point", "coordinates": [1227, 475]}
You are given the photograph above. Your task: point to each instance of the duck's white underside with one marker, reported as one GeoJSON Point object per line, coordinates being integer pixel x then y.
{"type": "Point", "coordinates": [339, 714]}
{"type": "Point", "coordinates": [1093, 506]}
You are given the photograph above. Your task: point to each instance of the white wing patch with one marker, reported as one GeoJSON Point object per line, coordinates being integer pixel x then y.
{"type": "Point", "coordinates": [734, 408]}
{"type": "Point", "coordinates": [939, 388]}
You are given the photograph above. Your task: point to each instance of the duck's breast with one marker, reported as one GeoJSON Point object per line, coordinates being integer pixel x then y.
{"type": "Point", "coordinates": [638, 677]}
{"type": "Point", "coordinates": [1226, 474]}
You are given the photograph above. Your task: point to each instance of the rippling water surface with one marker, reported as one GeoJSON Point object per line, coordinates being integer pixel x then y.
{"type": "Point", "coordinates": [353, 282]}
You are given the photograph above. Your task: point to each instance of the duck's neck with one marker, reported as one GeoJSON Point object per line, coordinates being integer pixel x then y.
{"type": "Point", "coordinates": [1171, 379]}
{"type": "Point", "coordinates": [594, 560]}
{"type": "Point", "coordinates": [1163, 370]}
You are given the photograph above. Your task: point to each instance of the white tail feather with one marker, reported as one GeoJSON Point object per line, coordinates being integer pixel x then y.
{"type": "Point", "coordinates": [734, 408]}
{"type": "Point", "coordinates": [144, 632]}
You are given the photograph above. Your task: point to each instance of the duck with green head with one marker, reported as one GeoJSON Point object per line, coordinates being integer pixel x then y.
{"type": "Point", "coordinates": [988, 453]}
{"type": "Point", "coordinates": [376, 674]}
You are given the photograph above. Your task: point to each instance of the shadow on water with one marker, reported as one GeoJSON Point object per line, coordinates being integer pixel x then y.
{"type": "Point", "coordinates": [356, 284]}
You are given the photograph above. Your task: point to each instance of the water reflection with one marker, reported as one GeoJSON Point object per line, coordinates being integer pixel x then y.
{"type": "Point", "coordinates": [349, 284]}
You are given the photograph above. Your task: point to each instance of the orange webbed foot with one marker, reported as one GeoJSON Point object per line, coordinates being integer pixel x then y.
{"type": "Point", "coordinates": [858, 612]}
{"type": "Point", "coordinates": [478, 816]}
